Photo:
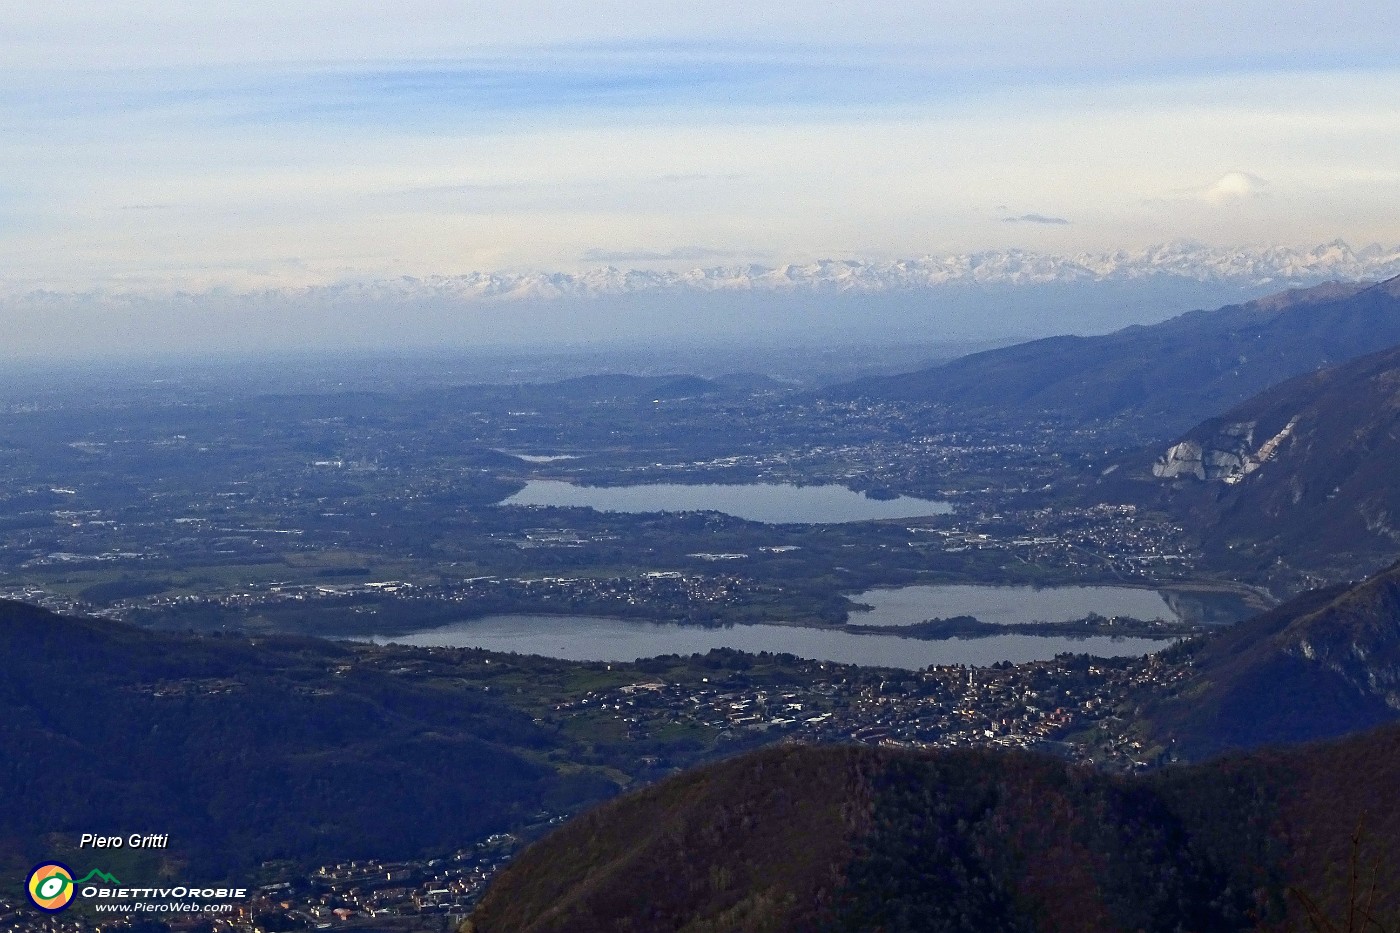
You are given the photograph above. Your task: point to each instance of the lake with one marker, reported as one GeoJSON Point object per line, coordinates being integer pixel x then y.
{"type": "Point", "coordinates": [772, 503]}
{"type": "Point", "coordinates": [1000, 605]}
{"type": "Point", "coordinates": [536, 458]}
{"type": "Point", "coordinates": [594, 638]}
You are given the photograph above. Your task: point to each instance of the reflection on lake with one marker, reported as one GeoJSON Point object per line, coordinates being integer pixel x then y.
{"type": "Point", "coordinates": [774, 503]}
{"type": "Point", "coordinates": [1000, 605]}
{"type": "Point", "coordinates": [591, 638]}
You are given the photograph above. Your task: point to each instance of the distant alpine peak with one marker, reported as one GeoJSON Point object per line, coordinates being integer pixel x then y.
{"type": "Point", "coordinates": [1249, 267]}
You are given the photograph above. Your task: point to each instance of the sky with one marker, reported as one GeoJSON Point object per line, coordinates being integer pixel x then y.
{"type": "Point", "coordinates": [151, 147]}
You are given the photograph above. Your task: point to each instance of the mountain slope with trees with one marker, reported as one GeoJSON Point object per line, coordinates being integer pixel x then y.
{"type": "Point", "coordinates": [245, 750]}
{"type": "Point", "coordinates": [859, 839]}
{"type": "Point", "coordinates": [1321, 665]}
{"type": "Point", "coordinates": [1298, 484]}
{"type": "Point", "coordinates": [1163, 377]}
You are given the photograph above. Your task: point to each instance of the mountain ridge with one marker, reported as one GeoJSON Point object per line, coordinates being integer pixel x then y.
{"type": "Point", "coordinates": [1259, 266]}
{"type": "Point", "coordinates": [1162, 378]}
{"type": "Point", "coordinates": [1248, 266]}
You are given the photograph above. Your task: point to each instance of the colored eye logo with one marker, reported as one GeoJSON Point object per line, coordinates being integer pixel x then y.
{"type": "Point", "coordinates": [51, 887]}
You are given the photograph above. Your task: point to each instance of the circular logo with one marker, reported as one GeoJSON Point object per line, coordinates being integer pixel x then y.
{"type": "Point", "coordinates": [50, 887]}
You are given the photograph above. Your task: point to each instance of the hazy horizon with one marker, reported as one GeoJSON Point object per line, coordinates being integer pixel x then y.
{"type": "Point", "coordinates": [1008, 298]}
{"type": "Point", "coordinates": [265, 175]}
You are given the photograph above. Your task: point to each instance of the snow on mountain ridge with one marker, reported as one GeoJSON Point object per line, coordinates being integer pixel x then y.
{"type": "Point", "coordinates": [1253, 267]}
{"type": "Point", "coordinates": [1249, 268]}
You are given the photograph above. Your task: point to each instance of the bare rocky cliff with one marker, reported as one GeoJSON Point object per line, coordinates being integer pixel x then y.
{"type": "Point", "coordinates": [1299, 484]}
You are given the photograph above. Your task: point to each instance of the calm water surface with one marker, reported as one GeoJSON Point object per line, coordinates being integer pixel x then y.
{"type": "Point", "coordinates": [536, 458]}
{"type": "Point", "coordinates": [593, 638]}
{"type": "Point", "coordinates": [774, 503]}
{"type": "Point", "coordinates": [1000, 605]}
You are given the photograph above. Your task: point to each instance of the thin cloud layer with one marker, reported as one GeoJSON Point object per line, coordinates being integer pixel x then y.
{"type": "Point", "coordinates": [993, 34]}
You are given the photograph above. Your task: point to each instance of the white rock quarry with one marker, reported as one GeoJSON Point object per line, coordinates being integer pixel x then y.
{"type": "Point", "coordinates": [1228, 456]}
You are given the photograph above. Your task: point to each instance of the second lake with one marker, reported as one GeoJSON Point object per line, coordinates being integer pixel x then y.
{"type": "Point", "coordinates": [1000, 605]}
{"type": "Point", "coordinates": [773, 503]}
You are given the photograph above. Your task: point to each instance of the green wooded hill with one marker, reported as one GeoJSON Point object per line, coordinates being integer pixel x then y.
{"type": "Point", "coordinates": [249, 750]}
{"type": "Point", "coordinates": [1162, 378]}
{"type": "Point", "coordinates": [878, 841]}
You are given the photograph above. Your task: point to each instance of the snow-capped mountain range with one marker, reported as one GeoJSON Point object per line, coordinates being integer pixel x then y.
{"type": "Point", "coordinates": [1006, 295]}
{"type": "Point", "coordinates": [1250, 268]}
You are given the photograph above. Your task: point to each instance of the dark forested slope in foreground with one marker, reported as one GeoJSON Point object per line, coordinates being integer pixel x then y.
{"type": "Point", "coordinates": [856, 839]}
{"type": "Point", "coordinates": [1321, 665]}
{"type": "Point", "coordinates": [1163, 377]}
{"type": "Point", "coordinates": [245, 750]}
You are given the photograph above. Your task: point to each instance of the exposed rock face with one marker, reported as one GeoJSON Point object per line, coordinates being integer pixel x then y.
{"type": "Point", "coordinates": [1184, 459]}
{"type": "Point", "coordinates": [1296, 487]}
{"type": "Point", "coordinates": [1227, 455]}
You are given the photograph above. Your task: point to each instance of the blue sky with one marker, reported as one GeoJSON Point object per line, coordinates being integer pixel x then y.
{"type": "Point", "coordinates": [171, 145]}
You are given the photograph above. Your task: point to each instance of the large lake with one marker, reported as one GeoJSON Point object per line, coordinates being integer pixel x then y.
{"type": "Point", "coordinates": [773, 503]}
{"type": "Point", "coordinates": [591, 638]}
